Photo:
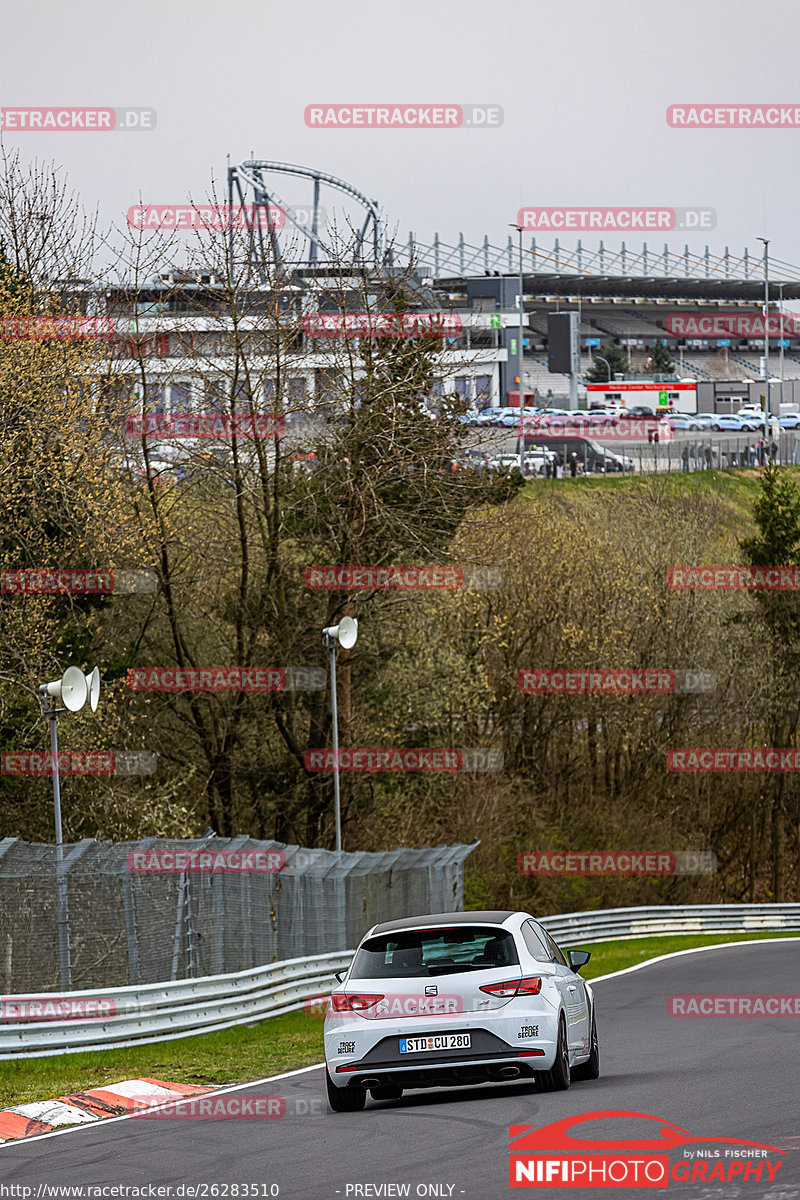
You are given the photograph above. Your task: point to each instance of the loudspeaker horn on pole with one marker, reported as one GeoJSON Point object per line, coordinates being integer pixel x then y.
{"type": "Point", "coordinates": [93, 688]}
{"type": "Point", "coordinates": [71, 689]}
{"type": "Point", "coordinates": [345, 633]}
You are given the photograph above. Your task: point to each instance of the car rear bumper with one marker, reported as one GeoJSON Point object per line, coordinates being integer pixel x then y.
{"type": "Point", "coordinates": [490, 1057]}
{"type": "Point", "coordinates": [446, 1073]}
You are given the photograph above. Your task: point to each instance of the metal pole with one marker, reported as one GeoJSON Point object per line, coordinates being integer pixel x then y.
{"type": "Point", "coordinates": [766, 242]}
{"type": "Point", "coordinates": [519, 359]}
{"type": "Point", "coordinates": [334, 706]}
{"type": "Point", "coordinates": [65, 967]}
{"type": "Point", "coordinates": [780, 327]}
{"type": "Point", "coordinates": [608, 365]}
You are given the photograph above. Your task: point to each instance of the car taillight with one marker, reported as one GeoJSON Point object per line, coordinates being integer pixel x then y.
{"type": "Point", "coordinates": [353, 1001]}
{"type": "Point", "coordinates": [530, 985]}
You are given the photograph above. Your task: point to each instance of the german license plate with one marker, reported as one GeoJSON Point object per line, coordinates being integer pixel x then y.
{"type": "Point", "coordinates": [439, 1041]}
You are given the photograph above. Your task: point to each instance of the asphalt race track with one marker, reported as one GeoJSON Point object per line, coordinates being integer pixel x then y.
{"type": "Point", "coordinates": [719, 1076]}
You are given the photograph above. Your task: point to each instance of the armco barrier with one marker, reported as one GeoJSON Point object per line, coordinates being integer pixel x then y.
{"type": "Point", "coordinates": [159, 1012]}
{"type": "Point", "coordinates": [617, 924]}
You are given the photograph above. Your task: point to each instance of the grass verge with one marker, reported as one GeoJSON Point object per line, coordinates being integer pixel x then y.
{"type": "Point", "coordinates": [275, 1045]}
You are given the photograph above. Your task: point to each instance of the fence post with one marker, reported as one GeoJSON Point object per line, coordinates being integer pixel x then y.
{"type": "Point", "coordinates": [129, 911]}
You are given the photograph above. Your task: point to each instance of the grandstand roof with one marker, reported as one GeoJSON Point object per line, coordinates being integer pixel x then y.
{"type": "Point", "coordinates": [657, 288]}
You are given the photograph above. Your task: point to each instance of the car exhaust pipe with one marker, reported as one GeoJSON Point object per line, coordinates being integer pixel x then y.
{"type": "Point", "coordinates": [509, 1072]}
{"type": "Point", "coordinates": [370, 1083]}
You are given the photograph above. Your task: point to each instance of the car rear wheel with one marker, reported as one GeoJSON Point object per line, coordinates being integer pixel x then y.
{"type": "Point", "coordinates": [386, 1093]}
{"type": "Point", "coordinates": [345, 1099]}
{"type": "Point", "coordinates": [591, 1068]}
{"type": "Point", "coordinates": [717, 427]}
{"type": "Point", "coordinates": [557, 1079]}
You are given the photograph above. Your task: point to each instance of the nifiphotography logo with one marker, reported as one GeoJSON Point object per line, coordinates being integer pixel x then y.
{"type": "Point", "coordinates": [663, 1153]}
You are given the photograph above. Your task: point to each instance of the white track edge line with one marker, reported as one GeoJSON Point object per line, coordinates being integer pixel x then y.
{"type": "Point", "coordinates": [649, 962]}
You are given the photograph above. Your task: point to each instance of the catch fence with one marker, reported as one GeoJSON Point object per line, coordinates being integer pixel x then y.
{"type": "Point", "coordinates": [131, 926]}
{"type": "Point", "coordinates": [708, 452]}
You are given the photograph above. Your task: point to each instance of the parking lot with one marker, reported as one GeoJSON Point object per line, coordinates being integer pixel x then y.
{"type": "Point", "coordinates": [703, 450]}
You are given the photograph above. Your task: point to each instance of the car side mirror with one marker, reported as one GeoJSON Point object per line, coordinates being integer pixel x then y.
{"type": "Point", "coordinates": [339, 975]}
{"type": "Point", "coordinates": [578, 958]}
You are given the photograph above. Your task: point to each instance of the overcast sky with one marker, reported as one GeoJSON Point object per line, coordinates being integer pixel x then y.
{"type": "Point", "coordinates": [584, 86]}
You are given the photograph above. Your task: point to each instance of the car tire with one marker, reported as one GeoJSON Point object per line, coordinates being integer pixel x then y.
{"type": "Point", "coordinates": [386, 1093]}
{"type": "Point", "coordinates": [557, 1079]}
{"type": "Point", "coordinates": [716, 427]}
{"type": "Point", "coordinates": [347, 1099]}
{"type": "Point", "coordinates": [591, 1068]}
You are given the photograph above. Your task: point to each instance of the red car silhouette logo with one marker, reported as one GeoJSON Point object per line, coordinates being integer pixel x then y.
{"type": "Point", "coordinates": [557, 1136]}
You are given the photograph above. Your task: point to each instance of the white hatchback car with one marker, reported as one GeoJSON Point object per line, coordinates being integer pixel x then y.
{"type": "Point", "coordinates": [458, 998]}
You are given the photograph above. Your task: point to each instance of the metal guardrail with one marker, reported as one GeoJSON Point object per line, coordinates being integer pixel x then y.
{"type": "Point", "coordinates": [158, 1012]}
{"type": "Point", "coordinates": [620, 924]}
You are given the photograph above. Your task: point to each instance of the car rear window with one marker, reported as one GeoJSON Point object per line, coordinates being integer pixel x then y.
{"type": "Point", "coordinates": [426, 952]}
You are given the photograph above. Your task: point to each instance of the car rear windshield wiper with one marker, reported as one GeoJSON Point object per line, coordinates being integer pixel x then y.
{"type": "Point", "coordinates": [451, 968]}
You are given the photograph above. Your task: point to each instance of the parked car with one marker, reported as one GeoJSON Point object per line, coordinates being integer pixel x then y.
{"type": "Point", "coordinates": [536, 463]}
{"type": "Point", "coordinates": [458, 998]}
{"type": "Point", "coordinates": [595, 458]}
{"type": "Point", "coordinates": [734, 423]}
{"type": "Point", "coordinates": [754, 411]}
{"type": "Point", "coordinates": [789, 421]}
{"type": "Point", "coordinates": [503, 462]}
{"type": "Point", "coordinates": [494, 416]}
{"type": "Point", "coordinates": [640, 412]}
{"type": "Point", "coordinates": [562, 418]}
{"type": "Point", "coordinates": [605, 410]}
{"type": "Point", "coordinates": [614, 461]}
{"type": "Point", "coordinates": [684, 421]}
{"type": "Point", "coordinates": [706, 420]}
